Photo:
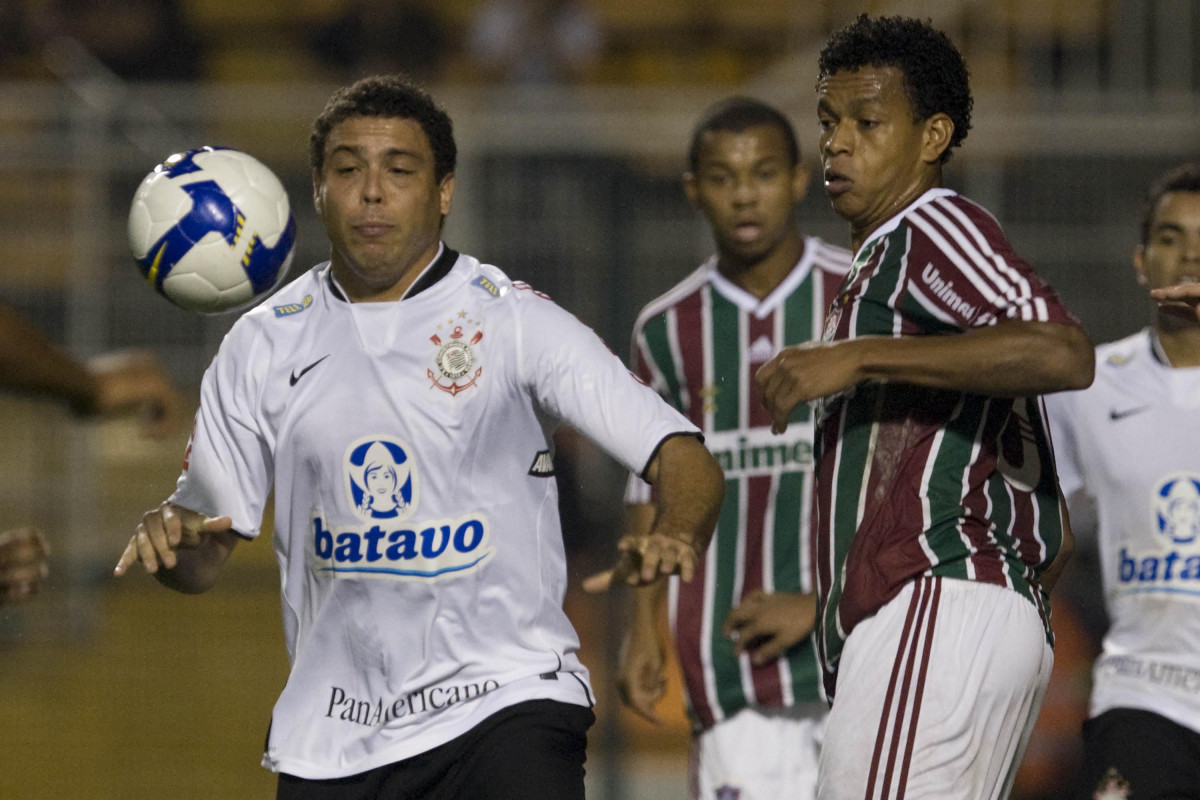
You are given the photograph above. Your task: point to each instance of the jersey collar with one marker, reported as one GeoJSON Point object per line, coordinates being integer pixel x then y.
{"type": "Point", "coordinates": [894, 221]}
{"type": "Point", "coordinates": [443, 261]}
{"type": "Point", "coordinates": [751, 304]}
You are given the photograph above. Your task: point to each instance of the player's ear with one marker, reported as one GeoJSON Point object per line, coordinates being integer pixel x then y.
{"type": "Point", "coordinates": [446, 188]}
{"type": "Point", "coordinates": [318, 200]}
{"type": "Point", "coordinates": [800, 178]}
{"type": "Point", "coordinates": [1139, 264]}
{"type": "Point", "coordinates": [690, 188]}
{"type": "Point", "coordinates": [939, 129]}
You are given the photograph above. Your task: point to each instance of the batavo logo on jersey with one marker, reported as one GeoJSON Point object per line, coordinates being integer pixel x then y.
{"type": "Point", "coordinates": [382, 483]}
{"type": "Point", "coordinates": [1176, 509]}
{"type": "Point", "coordinates": [760, 452]}
{"type": "Point", "coordinates": [456, 341]}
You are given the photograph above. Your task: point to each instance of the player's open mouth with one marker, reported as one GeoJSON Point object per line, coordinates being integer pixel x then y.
{"type": "Point", "coordinates": [836, 183]}
{"type": "Point", "coordinates": [747, 231]}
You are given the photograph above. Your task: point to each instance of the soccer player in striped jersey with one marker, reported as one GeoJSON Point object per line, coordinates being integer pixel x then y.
{"type": "Point", "coordinates": [937, 506]}
{"type": "Point", "coordinates": [1128, 453]}
{"type": "Point", "coordinates": [743, 632]}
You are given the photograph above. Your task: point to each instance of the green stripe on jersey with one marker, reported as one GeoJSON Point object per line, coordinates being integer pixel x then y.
{"type": "Point", "coordinates": [803, 666]}
{"type": "Point", "coordinates": [853, 448]}
{"type": "Point", "coordinates": [799, 326]}
{"type": "Point", "coordinates": [723, 548]}
{"type": "Point", "coordinates": [659, 344]}
{"type": "Point", "coordinates": [873, 313]}
{"type": "Point", "coordinates": [727, 361]}
{"type": "Point", "coordinates": [945, 493]}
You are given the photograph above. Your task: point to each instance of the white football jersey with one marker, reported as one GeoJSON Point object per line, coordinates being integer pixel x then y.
{"type": "Point", "coordinates": [416, 516]}
{"type": "Point", "coordinates": [1128, 451]}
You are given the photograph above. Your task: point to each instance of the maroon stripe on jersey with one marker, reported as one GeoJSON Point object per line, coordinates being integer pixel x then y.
{"type": "Point", "coordinates": [1024, 527]}
{"type": "Point", "coordinates": [689, 639]}
{"type": "Point", "coordinates": [768, 690]}
{"type": "Point", "coordinates": [920, 695]}
{"type": "Point", "coordinates": [758, 416]}
{"type": "Point", "coordinates": [828, 285]}
{"type": "Point", "coordinates": [689, 328]}
{"type": "Point", "coordinates": [986, 559]}
{"type": "Point", "coordinates": [906, 633]}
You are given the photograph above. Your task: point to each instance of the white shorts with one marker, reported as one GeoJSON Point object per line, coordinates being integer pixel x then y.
{"type": "Point", "coordinates": [937, 694]}
{"type": "Point", "coordinates": [759, 754]}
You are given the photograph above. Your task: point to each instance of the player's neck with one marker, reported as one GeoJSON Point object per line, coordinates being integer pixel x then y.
{"type": "Point", "coordinates": [761, 277]}
{"type": "Point", "coordinates": [1180, 341]}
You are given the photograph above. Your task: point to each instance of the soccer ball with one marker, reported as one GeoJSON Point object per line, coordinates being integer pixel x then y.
{"type": "Point", "coordinates": [212, 230]}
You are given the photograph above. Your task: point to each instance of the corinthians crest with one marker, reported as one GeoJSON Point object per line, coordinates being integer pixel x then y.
{"type": "Point", "coordinates": [455, 361]}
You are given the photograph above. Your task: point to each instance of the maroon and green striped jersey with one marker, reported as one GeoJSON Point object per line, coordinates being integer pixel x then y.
{"type": "Point", "coordinates": [699, 346]}
{"type": "Point", "coordinates": [915, 481]}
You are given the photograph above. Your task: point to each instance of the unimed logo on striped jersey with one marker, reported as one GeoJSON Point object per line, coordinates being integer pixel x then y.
{"type": "Point", "coordinates": [760, 452]}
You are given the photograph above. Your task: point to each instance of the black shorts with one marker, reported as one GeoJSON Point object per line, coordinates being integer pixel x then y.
{"type": "Point", "coordinates": [1142, 753]}
{"type": "Point", "coordinates": [532, 749]}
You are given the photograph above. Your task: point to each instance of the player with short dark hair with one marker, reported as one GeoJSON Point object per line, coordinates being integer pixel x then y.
{"type": "Point", "coordinates": [399, 402]}
{"type": "Point", "coordinates": [1128, 451]}
{"type": "Point", "coordinates": [743, 633]}
{"type": "Point", "coordinates": [937, 514]}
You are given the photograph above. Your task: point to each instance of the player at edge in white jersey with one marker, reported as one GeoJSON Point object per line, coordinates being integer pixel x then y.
{"type": "Point", "coordinates": [1128, 451]}
{"type": "Point", "coordinates": [742, 633]}
{"type": "Point", "coordinates": [400, 402]}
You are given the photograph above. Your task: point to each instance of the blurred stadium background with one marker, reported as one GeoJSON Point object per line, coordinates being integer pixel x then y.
{"type": "Point", "coordinates": [572, 118]}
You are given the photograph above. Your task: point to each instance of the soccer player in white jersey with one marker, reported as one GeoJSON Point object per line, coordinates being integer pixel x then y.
{"type": "Point", "coordinates": [742, 634]}
{"type": "Point", "coordinates": [1128, 453]}
{"type": "Point", "coordinates": [399, 401]}
{"type": "Point", "coordinates": [937, 509]}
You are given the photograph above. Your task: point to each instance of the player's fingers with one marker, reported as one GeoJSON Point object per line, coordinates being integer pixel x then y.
{"type": "Point", "coordinates": [128, 556]}
{"type": "Point", "coordinates": [669, 559]}
{"type": "Point", "coordinates": [687, 563]}
{"type": "Point", "coordinates": [161, 529]}
{"type": "Point", "coordinates": [765, 649]}
{"type": "Point", "coordinates": [145, 549]}
{"type": "Point", "coordinates": [216, 524]}
{"type": "Point", "coordinates": [598, 583]}
{"type": "Point", "coordinates": [651, 554]}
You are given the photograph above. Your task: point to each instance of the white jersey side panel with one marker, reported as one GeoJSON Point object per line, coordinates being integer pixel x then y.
{"type": "Point", "coordinates": [417, 524]}
{"type": "Point", "coordinates": [1130, 445]}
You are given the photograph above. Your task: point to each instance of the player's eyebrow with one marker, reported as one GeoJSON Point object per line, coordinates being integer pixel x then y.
{"type": "Point", "coordinates": [361, 152]}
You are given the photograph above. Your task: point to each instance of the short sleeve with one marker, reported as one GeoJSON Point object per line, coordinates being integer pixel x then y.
{"type": "Point", "coordinates": [228, 465]}
{"type": "Point", "coordinates": [576, 378]}
{"type": "Point", "coordinates": [964, 273]}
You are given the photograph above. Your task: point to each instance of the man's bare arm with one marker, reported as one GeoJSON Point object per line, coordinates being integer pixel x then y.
{"type": "Point", "coordinates": [689, 489]}
{"type": "Point", "coordinates": [1009, 359]}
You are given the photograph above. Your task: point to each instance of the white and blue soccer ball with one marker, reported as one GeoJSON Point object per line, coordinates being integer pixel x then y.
{"type": "Point", "coordinates": [212, 229]}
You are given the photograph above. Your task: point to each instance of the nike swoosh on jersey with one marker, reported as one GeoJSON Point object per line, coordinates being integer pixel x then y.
{"type": "Point", "coordinates": [1115, 415]}
{"type": "Point", "coordinates": [296, 376]}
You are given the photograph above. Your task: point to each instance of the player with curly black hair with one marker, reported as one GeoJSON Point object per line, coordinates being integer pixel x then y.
{"type": "Point", "coordinates": [937, 516]}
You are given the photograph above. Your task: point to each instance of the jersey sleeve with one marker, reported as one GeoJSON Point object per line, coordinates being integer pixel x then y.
{"type": "Point", "coordinates": [228, 465]}
{"type": "Point", "coordinates": [963, 272]}
{"type": "Point", "coordinates": [642, 364]}
{"type": "Point", "coordinates": [577, 379]}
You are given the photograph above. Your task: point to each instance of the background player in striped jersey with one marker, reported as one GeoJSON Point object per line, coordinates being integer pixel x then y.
{"type": "Point", "coordinates": [743, 632]}
{"type": "Point", "coordinates": [937, 507]}
{"type": "Point", "coordinates": [1128, 453]}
